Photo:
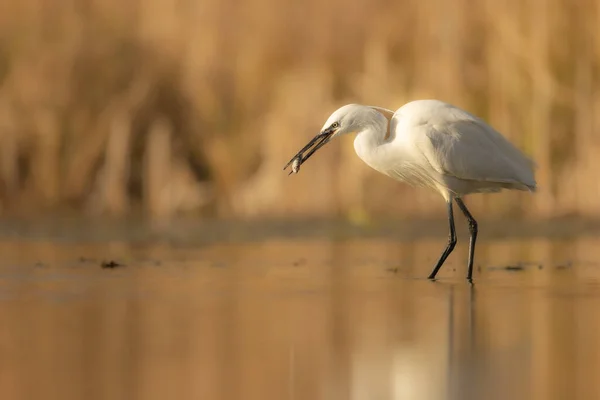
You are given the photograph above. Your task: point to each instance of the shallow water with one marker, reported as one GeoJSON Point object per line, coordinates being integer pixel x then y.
{"type": "Point", "coordinates": [299, 318]}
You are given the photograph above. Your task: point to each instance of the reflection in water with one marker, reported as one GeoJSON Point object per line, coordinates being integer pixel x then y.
{"type": "Point", "coordinates": [300, 320]}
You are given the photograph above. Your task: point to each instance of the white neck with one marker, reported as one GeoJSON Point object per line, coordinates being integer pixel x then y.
{"type": "Point", "coordinates": [370, 138]}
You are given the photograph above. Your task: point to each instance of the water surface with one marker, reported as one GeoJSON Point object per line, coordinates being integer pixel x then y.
{"type": "Point", "coordinates": [298, 318]}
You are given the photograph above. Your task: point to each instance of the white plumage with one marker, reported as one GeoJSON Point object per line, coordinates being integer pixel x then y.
{"type": "Point", "coordinates": [433, 144]}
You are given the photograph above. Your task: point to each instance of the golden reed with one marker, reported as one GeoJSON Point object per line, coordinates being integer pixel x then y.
{"type": "Point", "coordinates": [167, 106]}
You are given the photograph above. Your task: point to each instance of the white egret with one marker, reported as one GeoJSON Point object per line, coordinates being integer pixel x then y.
{"type": "Point", "coordinates": [432, 144]}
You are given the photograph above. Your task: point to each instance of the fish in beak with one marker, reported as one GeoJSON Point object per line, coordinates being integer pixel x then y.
{"type": "Point", "coordinates": [315, 144]}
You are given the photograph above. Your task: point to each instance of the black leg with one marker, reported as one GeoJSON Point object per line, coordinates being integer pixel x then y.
{"type": "Point", "coordinates": [473, 231]}
{"type": "Point", "coordinates": [451, 243]}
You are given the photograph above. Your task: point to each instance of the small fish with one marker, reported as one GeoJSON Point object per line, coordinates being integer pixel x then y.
{"type": "Point", "coordinates": [295, 165]}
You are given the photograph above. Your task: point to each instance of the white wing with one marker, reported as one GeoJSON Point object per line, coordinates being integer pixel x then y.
{"type": "Point", "coordinates": [469, 149]}
{"type": "Point", "coordinates": [454, 143]}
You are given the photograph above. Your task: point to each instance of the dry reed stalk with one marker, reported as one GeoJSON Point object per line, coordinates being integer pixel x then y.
{"type": "Point", "coordinates": [157, 169]}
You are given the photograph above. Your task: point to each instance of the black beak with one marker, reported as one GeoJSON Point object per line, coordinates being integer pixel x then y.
{"type": "Point", "coordinates": [318, 141]}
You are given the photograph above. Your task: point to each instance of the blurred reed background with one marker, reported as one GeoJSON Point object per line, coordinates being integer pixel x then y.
{"type": "Point", "coordinates": [181, 106]}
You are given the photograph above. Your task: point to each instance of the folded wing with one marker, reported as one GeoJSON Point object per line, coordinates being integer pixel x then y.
{"type": "Point", "coordinates": [469, 149]}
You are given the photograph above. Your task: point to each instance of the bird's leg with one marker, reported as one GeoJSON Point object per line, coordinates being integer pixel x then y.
{"type": "Point", "coordinates": [473, 231]}
{"type": "Point", "coordinates": [451, 242]}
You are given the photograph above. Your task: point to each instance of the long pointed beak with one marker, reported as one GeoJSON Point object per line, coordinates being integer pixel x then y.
{"type": "Point", "coordinates": [318, 141]}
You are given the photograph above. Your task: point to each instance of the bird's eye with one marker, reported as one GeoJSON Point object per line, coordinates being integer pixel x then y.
{"type": "Point", "coordinates": [335, 125]}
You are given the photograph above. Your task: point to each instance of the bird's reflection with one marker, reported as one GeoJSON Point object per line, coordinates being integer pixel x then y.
{"type": "Point", "coordinates": [461, 343]}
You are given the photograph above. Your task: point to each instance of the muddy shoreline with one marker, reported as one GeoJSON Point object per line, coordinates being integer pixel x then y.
{"type": "Point", "coordinates": [207, 231]}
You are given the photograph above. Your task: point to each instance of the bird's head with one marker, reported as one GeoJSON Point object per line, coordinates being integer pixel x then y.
{"type": "Point", "coordinates": [350, 118]}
